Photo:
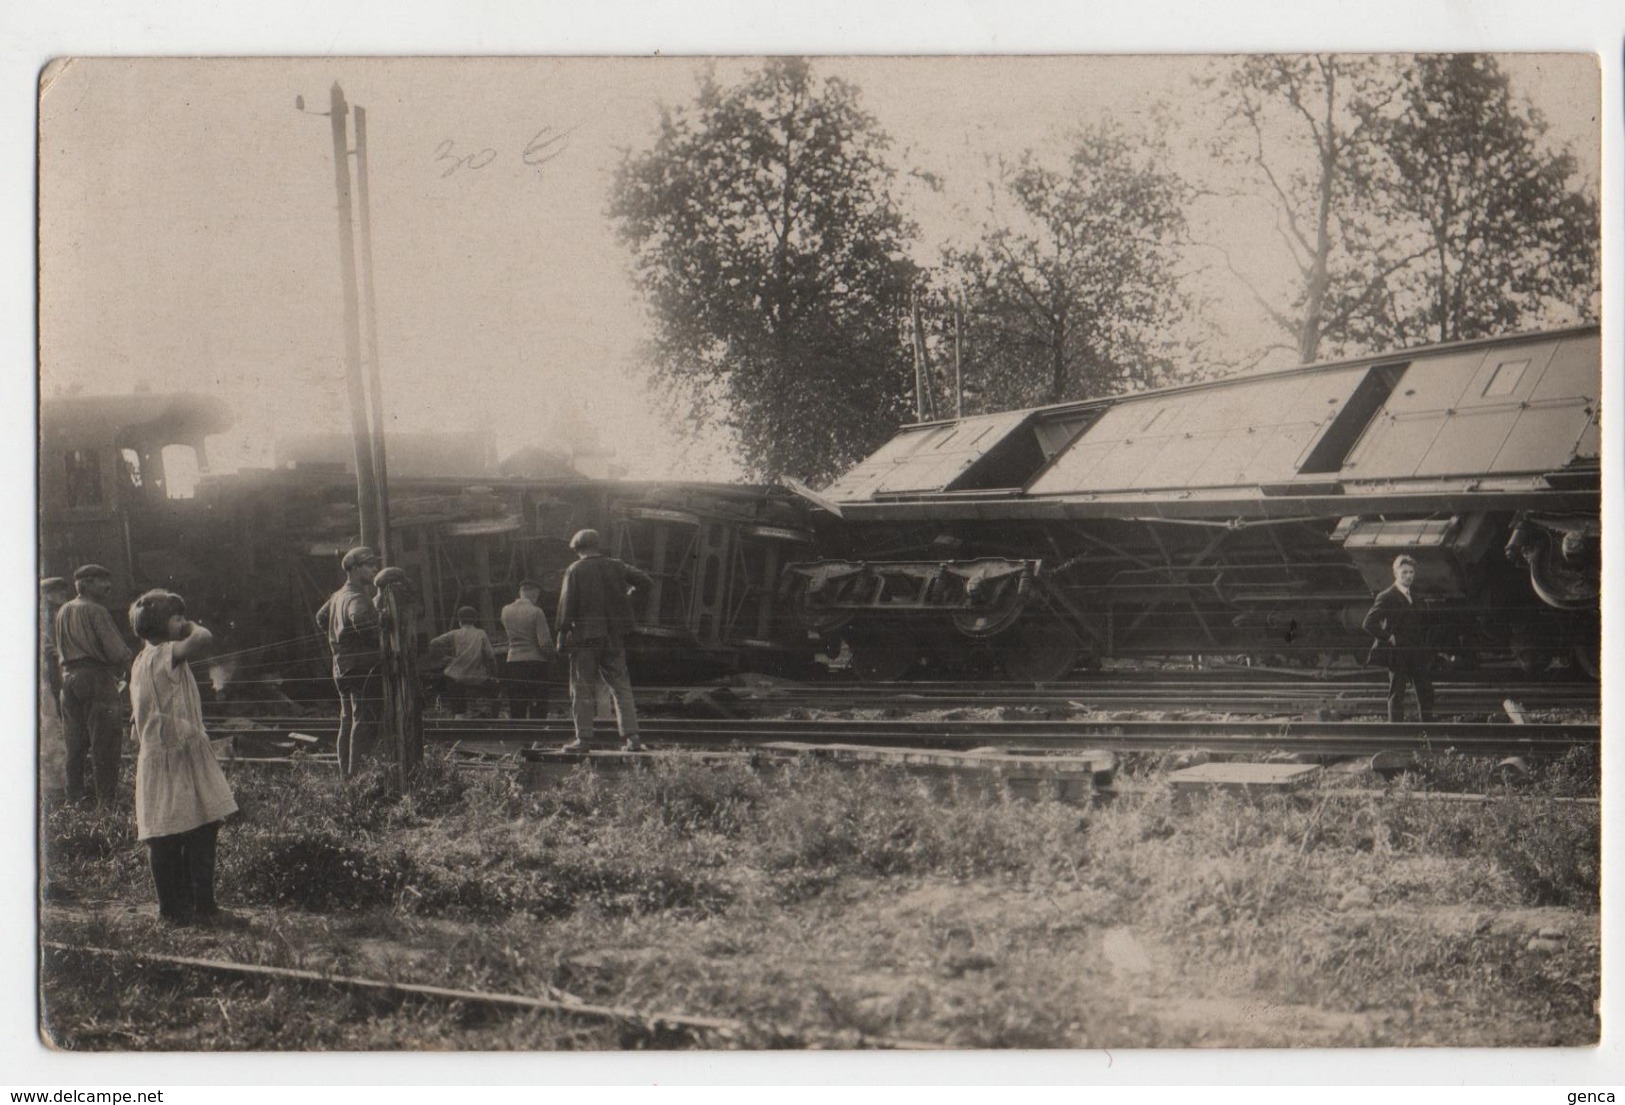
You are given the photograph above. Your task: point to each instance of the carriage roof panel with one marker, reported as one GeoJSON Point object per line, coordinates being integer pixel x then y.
{"type": "Point", "coordinates": [1511, 408]}
{"type": "Point", "coordinates": [1499, 411]}
{"type": "Point", "coordinates": [1253, 430]}
{"type": "Point", "coordinates": [926, 458]}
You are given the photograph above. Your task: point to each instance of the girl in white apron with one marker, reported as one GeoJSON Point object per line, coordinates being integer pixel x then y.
{"type": "Point", "coordinates": [181, 795]}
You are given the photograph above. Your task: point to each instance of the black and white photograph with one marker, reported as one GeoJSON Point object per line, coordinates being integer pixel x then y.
{"type": "Point", "coordinates": [817, 551]}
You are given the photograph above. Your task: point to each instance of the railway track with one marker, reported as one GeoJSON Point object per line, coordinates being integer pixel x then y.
{"type": "Point", "coordinates": [1224, 693]}
{"type": "Point", "coordinates": [648, 1027]}
{"type": "Point", "coordinates": [1248, 736]}
{"type": "Point", "coordinates": [1251, 698]}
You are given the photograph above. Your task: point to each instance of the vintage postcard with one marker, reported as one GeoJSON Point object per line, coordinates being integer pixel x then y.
{"type": "Point", "coordinates": [827, 552]}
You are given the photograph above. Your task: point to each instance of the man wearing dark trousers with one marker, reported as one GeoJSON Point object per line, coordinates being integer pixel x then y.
{"type": "Point", "coordinates": [594, 619]}
{"type": "Point", "coordinates": [1399, 625]}
{"type": "Point", "coordinates": [94, 661]}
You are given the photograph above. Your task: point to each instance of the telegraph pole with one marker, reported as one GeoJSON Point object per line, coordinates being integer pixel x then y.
{"type": "Point", "coordinates": [959, 377]}
{"type": "Point", "coordinates": [374, 373]}
{"type": "Point", "coordinates": [366, 480]}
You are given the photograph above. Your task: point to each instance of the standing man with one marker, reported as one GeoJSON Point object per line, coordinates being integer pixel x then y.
{"type": "Point", "coordinates": [470, 661]}
{"type": "Point", "coordinates": [349, 620]}
{"type": "Point", "coordinates": [94, 662]}
{"type": "Point", "coordinates": [1399, 625]}
{"type": "Point", "coordinates": [594, 618]}
{"type": "Point", "coordinates": [54, 594]}
{"type": "Point", "coordinates": [530, 650]}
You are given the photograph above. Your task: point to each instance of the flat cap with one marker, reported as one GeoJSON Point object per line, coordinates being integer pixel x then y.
{"type": "Point", "coordinates": [93, 571]}
{"type": "Point", "coordinates": [530, 583]}
{"type": "Point", "coordinates": [467, 613]}
{"type": "Point", "coordinates": [52, 583]}
{"type": "Point", "coordinates": [586, 539]}
{"type": "Point", "coordinates": [390, 577]}
{"type": "Point", "coordinates": [357, 556]}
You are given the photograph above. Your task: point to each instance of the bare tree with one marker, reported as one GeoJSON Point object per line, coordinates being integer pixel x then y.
{"type": "Point", "coordinates": [1399, 181]}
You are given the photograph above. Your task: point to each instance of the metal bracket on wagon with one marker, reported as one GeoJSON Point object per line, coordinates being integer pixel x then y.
{"type": "Point", "coordinates": [982, 595]}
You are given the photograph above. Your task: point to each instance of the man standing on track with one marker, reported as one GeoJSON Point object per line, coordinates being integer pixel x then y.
{"type": "Point", "coordinates": [94, 660]}
{"type": "Point", "coordinates": [530, 650]}
{"type": "Point", "coordinates": [1399, 624]}
{"type": "Point", "coordinates": [349, 620]}
{"type": "Point", "coordinates": [594, 618]}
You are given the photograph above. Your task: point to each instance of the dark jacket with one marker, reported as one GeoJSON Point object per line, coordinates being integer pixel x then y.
{"type": "Point", "coordinates": [1405, 620]}
{"type": "Point", "coordinates": [593, 605]}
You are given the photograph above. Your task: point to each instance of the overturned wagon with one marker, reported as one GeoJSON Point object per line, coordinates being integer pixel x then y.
{"type": "Point", "coordinates": [125, 482]}
{"type": "Point", "coordinates": [1251, 515]}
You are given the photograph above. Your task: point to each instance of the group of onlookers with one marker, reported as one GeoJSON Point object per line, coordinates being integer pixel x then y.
{"type": "Point", "coordinates": [181, 794]}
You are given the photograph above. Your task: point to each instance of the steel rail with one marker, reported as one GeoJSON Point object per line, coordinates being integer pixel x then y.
{"type": "Point", "coordinates": [1246, 736]}
{"type": "Point", "coordinates": [1262, 698]}
{"type": "Point", "coordinates": [1365, 699]}
{"type": "Point", "coordinates": [561, 1004]}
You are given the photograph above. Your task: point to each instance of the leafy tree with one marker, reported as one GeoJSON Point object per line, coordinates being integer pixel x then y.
{"type": "Point", "coordinates": [770, 249]}
{"type": "Point", "coordinates": [1070, 294]}
{"type": "Point", "coordinates": [1412, 197]}
{"type": "Point", "coordinates": [1503, 237]}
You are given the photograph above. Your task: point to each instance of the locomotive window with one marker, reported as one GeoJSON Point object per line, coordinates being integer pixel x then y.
{"type": "Point", "coordinates": [84, 483]}
{"type": "Point", "coordinates": [1505, 379]}
{"type": "Point", "coordinates": [130, 466]}
{"type": "Point", "coordinates": [181, 471]}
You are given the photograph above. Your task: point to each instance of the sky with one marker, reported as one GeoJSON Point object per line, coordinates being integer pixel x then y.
{"type": "Point", "coordinates": [189, 232]}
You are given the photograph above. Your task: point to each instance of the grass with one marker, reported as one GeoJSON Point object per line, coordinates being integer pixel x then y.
{"type": "Point", "coordinates": [819, 904]}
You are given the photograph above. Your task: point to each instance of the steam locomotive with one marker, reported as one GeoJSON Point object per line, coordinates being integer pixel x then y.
{"type": "Point", "coordinates": [124, 482]}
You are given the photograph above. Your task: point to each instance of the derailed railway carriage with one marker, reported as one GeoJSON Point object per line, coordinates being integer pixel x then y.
{"type": "Point", "coordinates": [125, 482]}
{"type": "Point", "coordinates": [1253, 515]}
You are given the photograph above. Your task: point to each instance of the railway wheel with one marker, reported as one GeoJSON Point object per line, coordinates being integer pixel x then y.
{"type": "Point", "coordinates": [1038, 652]}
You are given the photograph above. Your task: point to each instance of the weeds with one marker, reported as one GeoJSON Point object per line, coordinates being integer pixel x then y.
{"type": "Point", "coordinates": [832, 902]}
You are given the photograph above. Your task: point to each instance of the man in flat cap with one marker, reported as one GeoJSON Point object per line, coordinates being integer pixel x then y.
{"type": "Point", "coordinates": [349, 620]}
{"type": "Point", "coordinates": [530, 650]}
{"type": "Point", "coordinates": [469, 658]}
{"type": "Point", "coordinates": [594, 617]}
{"type": "Point", "coordinates": [94, 661]}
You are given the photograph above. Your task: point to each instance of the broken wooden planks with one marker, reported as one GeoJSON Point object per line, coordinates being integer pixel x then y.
{"type": "Point", "coordinates": [1073, 777]}
{"type": "Point", "coordinates": [1069, 778]}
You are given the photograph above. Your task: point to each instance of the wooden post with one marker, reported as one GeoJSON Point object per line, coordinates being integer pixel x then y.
{"type": "Point", "coordinates": [366, 482]}
{"type": "Point", "coordinates": [375, 383]}
{"type": "Point", "coordinates": [403, 710]}
{"type": "Point", "coordinates": [959, 379]}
